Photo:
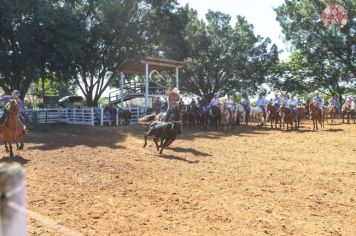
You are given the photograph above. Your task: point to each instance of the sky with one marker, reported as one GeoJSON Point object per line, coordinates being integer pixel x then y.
{"type": "Point", "coordinates": [259, 13]}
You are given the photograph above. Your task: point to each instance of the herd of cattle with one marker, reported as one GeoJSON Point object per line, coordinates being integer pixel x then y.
{"type": "Point", "coordinates": [164, 133]}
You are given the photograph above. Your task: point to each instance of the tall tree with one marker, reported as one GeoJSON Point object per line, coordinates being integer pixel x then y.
{"type": "Point", "coordinates": [115, 33]}
{"type": "Point", "coordinates": [225, 59]}
{"type": "Point", "coordinates": [35, 37]}
{"type": "Point", "coordinates": [330, 61]}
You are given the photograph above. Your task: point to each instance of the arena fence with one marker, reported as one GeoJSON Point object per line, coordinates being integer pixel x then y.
{"type": "Point", "coordinates": [80, 116]}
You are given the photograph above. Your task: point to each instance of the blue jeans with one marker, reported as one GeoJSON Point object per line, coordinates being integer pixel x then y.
{"type": "Point", "coordinates": [264, 111]}
{"type": "Point", "coordinates": [168, 114]}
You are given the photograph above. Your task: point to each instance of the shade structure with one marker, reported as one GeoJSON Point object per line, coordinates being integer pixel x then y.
{"type": "Point", "coordinates": [144, 66]}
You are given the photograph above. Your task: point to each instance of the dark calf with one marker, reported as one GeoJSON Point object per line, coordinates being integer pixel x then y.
{"type": "Point", "coordinates": [164, 131]}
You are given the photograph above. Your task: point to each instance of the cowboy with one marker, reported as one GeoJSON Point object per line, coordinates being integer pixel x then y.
{"type": "Point", "coordinates": [16, 96]}
{"type": "Point", "coordinates": [193, 103]}
{"type": "Point", "coordinates": [332, 101]}
{"type": "Point", "coordinates": [285, 100]}
{"type": "Point", "coordinates": [229, 103]}
{"type": "Point", "coordinates": [215, 102]}
{"type": "Point", "coordinates": [293, 105]}
{"type": "Point", "coordinates": [277, 101]}
{"type": "Point", "coordinates": [261, 102]}
{"type": "Point", "coordinates": [246, 104]}
{"type": "Point", "coordinates": [319, 101]}
{"type": "Point", "coordinates": [173, 98]}
{"type": "Point", "coordinates": [349, 100]}
{"type": "Point", "coordinates": [299, 101]}
{"type": "Point", "coordinates": [202, 102]}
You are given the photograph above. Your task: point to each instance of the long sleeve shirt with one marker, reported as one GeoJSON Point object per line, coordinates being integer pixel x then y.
{"type": "Point", "coordinates": [7, 99]}
{"type": "Point", "coordinates": [261, 102]}
{"type": "Point", "coordinates": [215, 102]}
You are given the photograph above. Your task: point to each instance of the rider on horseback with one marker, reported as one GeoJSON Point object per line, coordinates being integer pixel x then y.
{"type": "Point", "coordinates": [319, 101]}
{"type": "Point", "coordinates": [277, 101]}
{"type": "Point", "coordinates": [215, 102]}
{"type": "Point", "coordinates": [14, 95]}
{"type": "Point", "coordinates": [293, 105]}
{"type": "Point", "coordinates": [229, 104]}
{"type": "Point", "coordinates": [246, 104]}
{"type": "Point", "coordinates": [261, 102]}
{"type": "Point", "coordinates": [285, 100]}
{"type": "Point", "coordinates": [173, 98]}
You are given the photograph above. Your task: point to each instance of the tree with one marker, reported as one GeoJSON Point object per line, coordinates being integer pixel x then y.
{"type": "Point", "coordinates": [326, 62]}
{"type": "Point", "coordinates": [35, 37]}
{"type": "Point", "coordinates": [225, 59]}
{"type": "Point", "coordinates": [115, 34]}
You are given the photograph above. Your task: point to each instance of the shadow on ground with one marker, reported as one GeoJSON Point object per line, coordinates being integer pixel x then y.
{"type": "Point", "coordinates": [18, 159]}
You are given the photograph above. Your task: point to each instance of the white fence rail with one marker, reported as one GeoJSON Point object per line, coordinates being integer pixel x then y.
{"type": "Point", "coordinates": [82, 116]}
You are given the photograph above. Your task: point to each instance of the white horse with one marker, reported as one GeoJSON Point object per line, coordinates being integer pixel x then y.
{"type": "Point", "coordinates": [239, 113]}
{"type": "Point", "coordinates": [256, 115]}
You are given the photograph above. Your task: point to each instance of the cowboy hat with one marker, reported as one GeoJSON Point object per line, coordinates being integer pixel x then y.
{"type": "Point", "coordinates": [16, 93]}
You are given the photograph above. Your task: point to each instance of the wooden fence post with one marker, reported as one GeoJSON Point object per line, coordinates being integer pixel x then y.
{"type": "Point", "coordinates": [12, 222]}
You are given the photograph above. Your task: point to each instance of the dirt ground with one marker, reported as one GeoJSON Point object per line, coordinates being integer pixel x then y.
{"type": "Point", "coordinates": [253, 181]}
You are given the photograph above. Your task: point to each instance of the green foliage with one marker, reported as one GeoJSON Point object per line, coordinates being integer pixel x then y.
{"type": "Point", "coordinates": [36, 38]}
{"type": "Point", "coordinates": [321, 61]}
{"type": "Point", "coordinates": [225, 59]}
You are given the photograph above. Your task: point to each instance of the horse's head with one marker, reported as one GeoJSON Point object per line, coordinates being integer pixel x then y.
{"type": "Point", "coordinates": [313, 106]}
{"type": "Point", "coordinates": [12, 107]}
{"type": "Point", "coordinates": [270, 107]}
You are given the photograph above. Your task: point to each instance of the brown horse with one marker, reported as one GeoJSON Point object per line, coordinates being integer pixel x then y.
{"type": "Point", "coordinates": [126, 116]}
{"type": "Point", "coordinates": [300, 115]}
{"type": "Point", "coordinates": [316, 115]}
{"type": "Point", "coordinates": [273, 116]}
{"type": "Point", "coordinates": [332, 112]}
{"type": "Point", "coordinates": [225, 118]}
{"type": "Point", "coordinates": [194, 116]}
{"type": "Point", "coordinates": [13, 129]}
{"type": "Point", "coordinates": [287, 116]}
{"type": "Point", "coordinates": [346, 111]}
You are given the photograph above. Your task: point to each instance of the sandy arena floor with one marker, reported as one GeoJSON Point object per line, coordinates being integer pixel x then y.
{"type": "Point", "coordinates": [100, 181]}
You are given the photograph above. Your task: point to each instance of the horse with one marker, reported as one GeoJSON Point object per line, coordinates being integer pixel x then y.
{"type": "Point", "coordinates": [346, 111]}
{"type": "Point", "coordinates": [194, 116]}
{"type": "Point", "coordinates": [300, 115]}
{"type": "Point", "coordinates": [204, 117]}
{"type": "Point", "coordinates": [287, 116]}
{"type": "Point", "coordinates": [13, 129]}
{"type": "Point", "coordinates": [238, 114]}
{"type": "Point", "coordinates": [126, 116]}
{"type": "Point", "coordinates": [274, 116]}
{"type": "Point", "coordinates": [332, 112]}
{"type": "Point", "coordinates": [215, 117]}
{"type": "Point", "coordinates": [316, 116]}
{"type": "Point", "coordinates": [353, 111]}
{"type": "Point", "coordinates": [256, 115]}
{"type": "Point", "coordinates": [225, 118]}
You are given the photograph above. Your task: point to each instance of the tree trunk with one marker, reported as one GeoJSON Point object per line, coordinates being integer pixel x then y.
{"type": "Point", "coordinates": [340, 102]}
{"type": "Point", "coordinates": [90, 101]}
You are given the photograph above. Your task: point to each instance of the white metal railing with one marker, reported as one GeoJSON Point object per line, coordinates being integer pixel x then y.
{"type": "Point", "coordinates": [81, 116]}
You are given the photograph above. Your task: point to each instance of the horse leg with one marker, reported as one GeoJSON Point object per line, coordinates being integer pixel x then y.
{"type": "Point", "coordinates": [6, 147]}
{"type": "Point", "coordinates": [11, 153]}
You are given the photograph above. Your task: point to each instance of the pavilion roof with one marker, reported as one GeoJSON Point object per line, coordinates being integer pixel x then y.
{"type": "Point", "coordinates": [138, 66]}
